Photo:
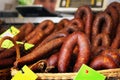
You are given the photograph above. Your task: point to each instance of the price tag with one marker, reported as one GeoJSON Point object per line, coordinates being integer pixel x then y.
{"type": "Point", "coordinates": [87, 73]}
{"type": "Point", "coordinates": [7, 44]}
{"type": "Point", "coordinates": [28, 46]}
{"type": "Point", "coordinates": [25, 74]}
{"type": "Point", "coordinates": [12, 31]}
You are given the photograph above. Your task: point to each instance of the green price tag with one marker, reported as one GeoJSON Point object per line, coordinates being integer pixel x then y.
{"type": "Point", "coordinates": [8, 44]}
{"type": "Point", "coordinates": [25, 74]}
{"type": "Point", "coordinates": [28, 46]}
{"type": "Point", "coordinates": [12, 31]}
{"type": "Point", "coordinates": [87, 73]}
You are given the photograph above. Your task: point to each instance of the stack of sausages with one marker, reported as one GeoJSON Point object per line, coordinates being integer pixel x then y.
{"type": "Point", "coordinates": [89, 38]}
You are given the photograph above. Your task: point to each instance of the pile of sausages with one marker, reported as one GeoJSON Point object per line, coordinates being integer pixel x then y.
{"type": "Point", "coordinates": [90, 38]}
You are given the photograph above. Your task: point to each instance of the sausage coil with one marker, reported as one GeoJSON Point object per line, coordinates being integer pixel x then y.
{"type": "Point", "coordinates": [85, 13]}
{"type": "Point", "coordinates": [65, 53]}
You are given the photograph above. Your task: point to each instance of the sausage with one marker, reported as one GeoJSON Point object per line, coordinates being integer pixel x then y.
{"type": "Point", "coordinates": [115, 18]}
{"type": "Point", "coordinates": [15, 44]}
{"type": "Point", "coordinates": [97, 51]}
{"type": "Point", "coordinates": [62, 33]}
{"type": "Point", "coordinates": [114, 14]}
{"type": "Point", "coordinates": [101, 40]}
{"type": "Point", "coordinates": [38, 37]}
{"type": "Point", "coordinates": [7, 62]}
{"type": "Point", "coordinates": [116, 42]}
{"type": "Point", "coordinates": [39, 52]}
{"type": "Point", "coordinates": [77, 22]}
{"type": "Point", "coordinates": [116, 5]}
{"type": "Point", "coordinates": [42, 30]}
{"type": "Point", "coordinates": [113, 54]}
{"type": "Point", "coordinates": [66, 50]}
{"type": "Point", "coordinates": [102, 24]}
{"type": "Point", "coordinates": [85, 14]}
{"type": "Point", "coordinates": [63, 23]}
{"type": "Point", "coordinates": [7, 53]}
{"type": "Point", "coordinates": [102, 62]}
{"type": "Point", "coordinates": [47, 26]}
{"type": "Point", "coordinates": [39, 66]}
{"type": "Point", "coordinates": [24, 31]}
{"type": "Point", "coordinates": [2, 49]}
{"type": "Point", "coordinates": [52, 60]}
{"type": "Point", "coordinates": [5, 73]}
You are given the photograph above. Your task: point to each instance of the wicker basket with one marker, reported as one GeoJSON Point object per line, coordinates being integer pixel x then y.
{"type": "Point", "coordinates": [68, 76]}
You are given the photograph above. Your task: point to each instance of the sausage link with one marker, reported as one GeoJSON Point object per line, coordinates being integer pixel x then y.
{"type": "Point", "coordinates": [52, 60]}
{"type": "Point", "coordinates": [101, 40]}
{"type": "Point", "coordinates": [66, 50]}
{"type": "Point", "coordinates": [116, 5]}
{"type": "Point", "coordinates": [39, 52]}
{"type": "Point", "coordinates": [62, 33]}
{"type": "Point", "coordinates": [63, 23]}
{"type": "Point", "coordinates": [46, 26]}
{"type": "Point", "coordinates": [24, 31]}
{"type": "Point", "coordinates": [40, 32]}
{"type": "Point", "coordinates": [7, 62]}
{"type": "Point", "coordinates": [102, 24]}
{"type": "Point", "coordinates": [102, 62]}
{"type": "Point", "coordinates": [77, 22]}
{"type": "Point", "coordinates": [85, 14]}
{"type": "Point", "coordinates": [113, 54]}
{"type": "Point", "coordinates": [115, 19]}
{"type": "Point", "coordinates": [116, 42]}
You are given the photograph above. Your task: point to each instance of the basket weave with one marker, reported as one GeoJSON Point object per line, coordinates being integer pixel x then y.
{"type": "Point", "coordinates": [68, 76]}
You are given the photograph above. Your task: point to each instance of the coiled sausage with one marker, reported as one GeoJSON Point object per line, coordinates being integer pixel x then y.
{"type": "Point", "coordinates": [85, 14]}
{"type": "Point", "coordinates": [65, 52]}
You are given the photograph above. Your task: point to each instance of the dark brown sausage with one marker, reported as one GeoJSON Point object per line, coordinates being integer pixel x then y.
{"type": "Point", "coordinates": [102, 24]}
{"type": "Point", "coordinates": [40, 32]}
{"type": "Point", "coordinates": [77, 22]}
{"type": "Point", "coordinates": [116, 5]}
{"type": "Point", "coordinates": [39, 52]}
{"type": "Point", "coordinates": [65, 53]}
{"type": "Point", "coordinates": [85, 14]}
{"type": "Point", "coordinates": [115, 18]}
{"type": "Point", "coordinates": [46, 26]}
{"type": "Point", "coordinates": [102, 62]}
{"type": "Point", "coordinates": [24, 31]}
{"type": "Point", "coordinates": [62, 33]}
{"type": "Point", "coordinates": [113, 54]}
{"type": "Point", "coordinates": [7, 62]}
{"type": "Point", "coordinates": [63, 23]}
{"type": "Point", "coordinates": [102, 40]}
{"type": "Point", "coordinates": [116, 42]}
{"type": "Point", "coordinates": [52, 60]}
{"type": "Point", "coordinates": [39, 66]}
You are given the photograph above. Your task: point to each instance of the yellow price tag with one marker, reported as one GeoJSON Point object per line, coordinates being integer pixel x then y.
{"type": "Point", "coordinates": [12, 31]}
{"type": "Point", "coordinates": [7, 44]}
{"type": "Point", "coordinates": [25, 74]}
{"type": "Point", "coordinates": [28, 46]}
